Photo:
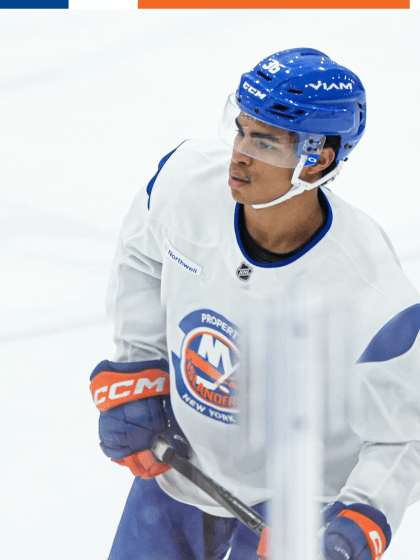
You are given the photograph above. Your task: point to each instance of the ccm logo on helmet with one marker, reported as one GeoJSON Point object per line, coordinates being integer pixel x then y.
{"type": "Point", "coordinates": [110, 389]}
{"type": "Point", "coordinates": [254, 91]}
{"type": "Point", "coordinates": [327, 87]}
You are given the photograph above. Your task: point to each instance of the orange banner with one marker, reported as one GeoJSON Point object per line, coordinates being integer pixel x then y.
{"type": "Point", "coordinates": [271, 4]}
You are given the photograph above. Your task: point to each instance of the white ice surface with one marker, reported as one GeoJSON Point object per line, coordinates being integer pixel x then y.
{"type": "Point", "coordinates": [90, 101]}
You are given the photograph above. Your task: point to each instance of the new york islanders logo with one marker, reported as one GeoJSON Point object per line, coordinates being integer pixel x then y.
{"type": "Point", "coordinates": [207, 365]}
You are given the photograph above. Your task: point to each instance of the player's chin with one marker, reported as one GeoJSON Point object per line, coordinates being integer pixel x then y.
{"type": "Point", "coordinates": [240, 190]}
{"type": "Point", "coordinates": [239, 196]}
{"type": "Point", "coordinates": [247, 196]}
{"type": "Point", "coordinates": [243, 196]}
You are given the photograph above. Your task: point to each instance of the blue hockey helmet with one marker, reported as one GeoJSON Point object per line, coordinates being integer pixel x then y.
{"type": "Point", "coordinates": [301, 91]}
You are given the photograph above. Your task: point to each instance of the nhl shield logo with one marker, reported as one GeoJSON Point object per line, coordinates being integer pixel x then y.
{"type": "Point", "coordinates": [244, 272]}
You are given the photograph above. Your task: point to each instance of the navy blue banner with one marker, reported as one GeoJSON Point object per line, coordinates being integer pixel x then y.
{"type": "Point", "coordinates": [34, 4]}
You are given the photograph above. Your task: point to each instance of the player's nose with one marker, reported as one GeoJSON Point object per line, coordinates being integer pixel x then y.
{"type": "Point", "coordinates": [239, 157]}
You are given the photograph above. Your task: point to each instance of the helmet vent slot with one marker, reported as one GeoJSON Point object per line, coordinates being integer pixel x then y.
{"type": "Point", "coordinates": [282, 108]}
{"type": "Point", "coordinates": [280, 114]}
{"type": "Point", "coordinates": [297, 91]}
{"type": "Point", "coordinates": [361, 119]}
{"type": "Point", "coordinates": [264, 76]}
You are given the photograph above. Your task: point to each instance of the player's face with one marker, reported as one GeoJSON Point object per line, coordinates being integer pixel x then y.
{"type": "Point", "coordinates": [253, 181]}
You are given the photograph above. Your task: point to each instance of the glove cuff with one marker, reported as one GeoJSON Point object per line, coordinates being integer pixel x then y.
{"type": "Point", "coordinates": [116, 384]}
{"type": "Point", "coordinates": [376, 516]}
{"type": "Point", "coordinates": [370, 522]}
{"type": "Point", "coordinates": [374, 535]}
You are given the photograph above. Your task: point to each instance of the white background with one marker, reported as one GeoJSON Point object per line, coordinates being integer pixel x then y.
{"type": "Point", "coordinates": [90, 101]}
{"type": "Point", "coordinates": [103, 4]}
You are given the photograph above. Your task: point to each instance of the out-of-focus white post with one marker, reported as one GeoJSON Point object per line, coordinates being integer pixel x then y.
{"type": "Point", "coordinates": [288, 406]}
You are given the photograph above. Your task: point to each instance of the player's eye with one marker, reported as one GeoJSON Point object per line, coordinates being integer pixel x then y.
{"type": "Point", "coordinates": [261, 145]}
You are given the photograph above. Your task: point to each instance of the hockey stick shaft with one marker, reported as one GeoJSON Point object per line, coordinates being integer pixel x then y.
{"type": "Point", "coordinates": [164, 452]}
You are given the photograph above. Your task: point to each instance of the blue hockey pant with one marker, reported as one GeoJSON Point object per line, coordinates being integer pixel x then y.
{"type": "Point", "coordinates": [154, 526]}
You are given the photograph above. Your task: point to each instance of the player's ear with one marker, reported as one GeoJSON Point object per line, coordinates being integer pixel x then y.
{"type": "Point", "coordinates": [325, 160]}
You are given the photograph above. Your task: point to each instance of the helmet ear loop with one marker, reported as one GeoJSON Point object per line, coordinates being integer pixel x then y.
{"type": "Point", "coordinates": [297, 182]}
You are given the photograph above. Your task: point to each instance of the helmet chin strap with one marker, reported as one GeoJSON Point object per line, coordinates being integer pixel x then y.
{"type": "Point", "coordinates": [299, 186]}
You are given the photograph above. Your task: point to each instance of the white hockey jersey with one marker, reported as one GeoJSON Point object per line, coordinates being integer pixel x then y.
{"type": "Point", "coordinates": [182, 288]}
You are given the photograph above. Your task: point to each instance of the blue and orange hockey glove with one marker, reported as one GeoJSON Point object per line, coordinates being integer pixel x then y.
{"type": "Point", "coordinates": [135, 408]}
{"type": "Point", "coordinates": [354, 532]}
{"type": "Point", "coordinates": [264, 548]}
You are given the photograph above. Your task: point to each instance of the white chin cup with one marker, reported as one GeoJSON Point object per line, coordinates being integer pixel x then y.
{"type": "Point", "coordinates": [299, 186]}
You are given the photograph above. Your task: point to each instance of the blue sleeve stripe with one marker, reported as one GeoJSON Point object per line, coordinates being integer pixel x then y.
{"type": "Point", "coordinates": [395, 338]}
{"type": "Point", "coordinates": [153, 179]}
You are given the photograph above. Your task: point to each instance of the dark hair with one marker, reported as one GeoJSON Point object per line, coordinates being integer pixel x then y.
{"type": "Point", "coordinates": [334, 143]}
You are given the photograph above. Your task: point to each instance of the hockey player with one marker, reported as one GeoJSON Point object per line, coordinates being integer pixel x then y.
{"type": "Point", "coordinates": [219, 230]}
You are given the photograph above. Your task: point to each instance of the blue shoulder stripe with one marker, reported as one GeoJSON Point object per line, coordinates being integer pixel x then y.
{"type": "Point", "coordinates": [395, 338]}
{"type": "Point", "coordinates": [153, 179]}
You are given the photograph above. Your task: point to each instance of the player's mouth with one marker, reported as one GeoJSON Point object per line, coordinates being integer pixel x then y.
{"type": "Point", "coordinates": [236, 182]}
